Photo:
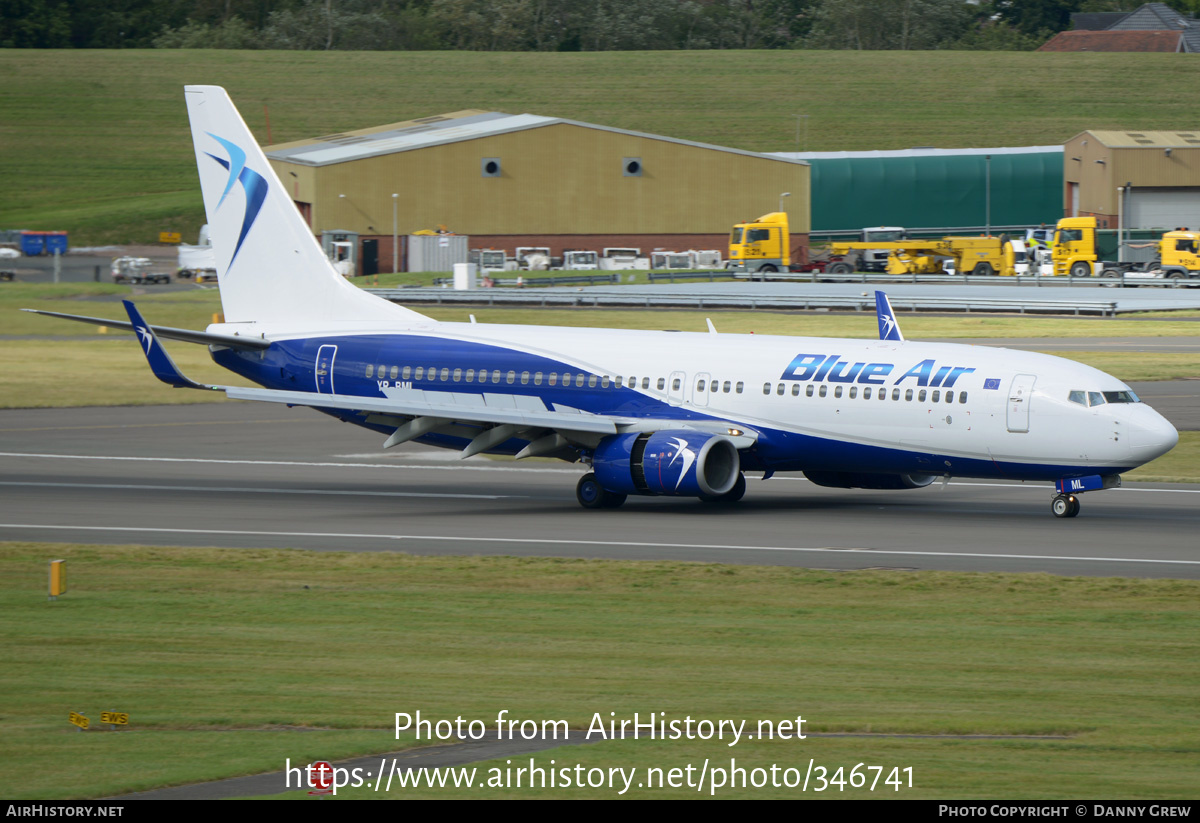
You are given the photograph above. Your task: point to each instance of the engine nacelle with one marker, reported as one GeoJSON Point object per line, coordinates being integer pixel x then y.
{"type": "Point", "coordinates": [867, 480]}
{"type": "Point", "coordinates": [684, 463]}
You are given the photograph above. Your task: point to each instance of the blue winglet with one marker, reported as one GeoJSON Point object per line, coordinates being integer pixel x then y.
{"type": "Point", "coordinates": [161, 364]}
{"type": "Point", "coordinates": [889, 329]}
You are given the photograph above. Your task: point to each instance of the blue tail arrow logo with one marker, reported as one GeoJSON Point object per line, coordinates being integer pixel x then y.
{"type": "Point", "coordinates": [253, 183]}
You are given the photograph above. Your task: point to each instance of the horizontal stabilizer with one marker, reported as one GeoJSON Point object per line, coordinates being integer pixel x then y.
{"type": "Point", "coordinates": [185, 335]}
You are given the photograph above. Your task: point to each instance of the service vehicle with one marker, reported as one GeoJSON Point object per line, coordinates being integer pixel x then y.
{"type": "Point", "coordinates": [136, 270]}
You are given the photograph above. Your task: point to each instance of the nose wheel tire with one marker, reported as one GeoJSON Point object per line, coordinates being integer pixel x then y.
{"type": "Point", "coordinates": [591, 495]}
{"type": "Point", "coordinates": [1065, 505]}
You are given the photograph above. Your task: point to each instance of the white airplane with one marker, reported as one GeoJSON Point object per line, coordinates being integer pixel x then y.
{"type": "Point", "coordinates": [649, 412]}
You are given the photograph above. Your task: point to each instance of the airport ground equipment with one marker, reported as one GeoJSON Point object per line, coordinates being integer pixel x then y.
{"type": "Point", "coordinates": [614, 258]}
{"type": "Point", "coordinates": [1177, 258]}
{"type": "Point", "coordinates": [580, 260]}
{"type": "Point", "coordinates": [136, 270]}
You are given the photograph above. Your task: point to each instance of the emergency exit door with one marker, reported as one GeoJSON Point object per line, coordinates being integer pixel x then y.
{"type": "Point", "coordinates": [324, 369]}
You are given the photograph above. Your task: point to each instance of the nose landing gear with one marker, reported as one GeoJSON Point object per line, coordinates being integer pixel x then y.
{"type": "Point", "coordinates": [1065, 505]}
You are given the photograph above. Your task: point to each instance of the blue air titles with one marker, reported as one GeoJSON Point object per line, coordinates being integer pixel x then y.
{"type": "Point", "coordinates": [820, 368]}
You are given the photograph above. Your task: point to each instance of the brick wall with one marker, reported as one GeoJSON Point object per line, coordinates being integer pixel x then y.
{"type": "Point", "coordinates": [559, 243]}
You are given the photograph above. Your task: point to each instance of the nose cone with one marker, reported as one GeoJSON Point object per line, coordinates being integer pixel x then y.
{"type": "Point", "coordinates": [1150, 435]}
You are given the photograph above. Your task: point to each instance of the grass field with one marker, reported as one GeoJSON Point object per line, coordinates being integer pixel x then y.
{"type": "Point", "coordinates": [197, 644]}
{"type": "Point", "coordinates": [97, 143]}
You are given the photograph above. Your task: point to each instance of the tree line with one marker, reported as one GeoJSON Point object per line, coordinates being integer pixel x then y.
{"type": "Point", "coordinates": [542, 25]}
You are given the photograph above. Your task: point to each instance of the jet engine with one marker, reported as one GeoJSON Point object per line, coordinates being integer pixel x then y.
{"type": "Point", "coordinates": [867, 480]}
{"type": "Point", "coordinates": [684, 463]}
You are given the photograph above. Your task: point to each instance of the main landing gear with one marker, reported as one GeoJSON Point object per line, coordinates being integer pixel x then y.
{"type": "Point", "coordinates": [732, 496]}
{"type": "Point", "coordinates": [592, 495]}
{"type": "Point", "coordinates": [1065, 505]}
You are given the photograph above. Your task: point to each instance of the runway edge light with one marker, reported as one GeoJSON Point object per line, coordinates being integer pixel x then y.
{"type": "Point", "coordinates": [58, 578]}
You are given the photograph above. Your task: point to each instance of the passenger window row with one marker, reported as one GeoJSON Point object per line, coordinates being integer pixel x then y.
{"type": "Point", "coordinates": [524, 378]}
{"type": "Point", "coordinates": [920, 395]}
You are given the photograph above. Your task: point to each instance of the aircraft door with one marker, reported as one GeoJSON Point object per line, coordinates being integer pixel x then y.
{"type": "Point", "coordinates": [700, 389]}
{"type": "Point", "coordinates": [1019, 395]}
{"type": "Point", "coordinates": [676, 384]}
{"type": "Point", "coordinates": [324, 369]}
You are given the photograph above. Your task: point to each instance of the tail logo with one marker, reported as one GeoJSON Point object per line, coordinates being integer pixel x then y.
{"type": "Point", "coordinates": [253, 183]}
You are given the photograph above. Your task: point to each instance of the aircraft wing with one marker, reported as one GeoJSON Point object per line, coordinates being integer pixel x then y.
{"type": "Point", "coordinates": [448, 412]}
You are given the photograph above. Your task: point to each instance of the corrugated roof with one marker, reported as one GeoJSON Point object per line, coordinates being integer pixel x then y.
{"type": "Point", "coordinates": [441, 130]}
{"type": "Point", "coordinates": [914, 152]}
{"type": "Point", "coordinates": [1096, 20]}
{"type": "Point", "coordinates": [1151, 17]}
{"type": "Point", "coordinates": [1110, 41]}
{"type": "Point", "coordinates": [1147, 139]}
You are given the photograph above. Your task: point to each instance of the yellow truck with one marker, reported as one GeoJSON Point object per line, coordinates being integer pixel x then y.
{"type": "Point", "coordinates": [761, 245]}
{"type": "Point", "coordinates": [1074, 247]}
{"type": "Point", "coordinates": [1074, 254]}
{"type": "Point", "coordinates": [1178, 258]}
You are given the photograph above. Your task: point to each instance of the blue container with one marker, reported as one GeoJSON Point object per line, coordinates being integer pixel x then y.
{"type": "Point", "coordinates": [56, 241]}
{"type": "Point", "coordinates": [33, 243]}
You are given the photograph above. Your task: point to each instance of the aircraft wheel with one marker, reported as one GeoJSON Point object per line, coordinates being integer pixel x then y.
{"type": "Point", "coordinates": [1065, 505]}
{"type": "Point", "coordinates": [732, 496]}
{"type": "Point", "coordinates": [591, 495]}
{"type": "Point", "coordinates": [612, 500]}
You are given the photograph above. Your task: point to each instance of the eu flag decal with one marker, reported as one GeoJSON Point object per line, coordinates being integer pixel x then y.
{"type": "Point", "coordinates": [992, 383]}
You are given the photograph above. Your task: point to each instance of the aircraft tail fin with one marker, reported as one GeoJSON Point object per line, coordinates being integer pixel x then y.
{"type": "Point", "coordinates": [269, 265]}
{"type": "Point", "coordinates": [889, 328]}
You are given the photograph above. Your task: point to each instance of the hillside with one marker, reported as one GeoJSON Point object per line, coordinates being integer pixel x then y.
{"type": "Point", "coordinates": [96, 142]}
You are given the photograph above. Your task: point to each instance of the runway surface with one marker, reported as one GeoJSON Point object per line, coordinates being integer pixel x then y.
{"type": "Point", "coordinates": [245, 475]}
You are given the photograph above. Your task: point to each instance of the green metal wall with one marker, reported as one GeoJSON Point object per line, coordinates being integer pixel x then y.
{"type": "Point", "coordinates": [936, 192]}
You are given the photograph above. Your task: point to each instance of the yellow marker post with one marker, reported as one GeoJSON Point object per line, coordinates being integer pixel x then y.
{"type": "Point", "coordinates": [79, 720]}
{"type": "Point", "coordinates": [170, 237]}
{"type": "Point", "coordinates": [58, 578]}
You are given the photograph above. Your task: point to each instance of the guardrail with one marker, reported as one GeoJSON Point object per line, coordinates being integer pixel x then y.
{"type": "Point", "coordinates": [712, 275]}
{"type": "Point", "coordinates": [565, 280]}
{"type": "Point", "coordinates": [597, 298]}
{"type": "Point", "coordinates": [969, 279]}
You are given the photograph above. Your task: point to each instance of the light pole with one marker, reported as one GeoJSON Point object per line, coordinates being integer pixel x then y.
{"type": "Point", "coordinates": [785, 194]}
{"type": "Point", "coordinates": [800, 117]}
{"type": "Point", "coordinates": [395, 245]}
{"type": "Point", "coordinates": [987, 208]}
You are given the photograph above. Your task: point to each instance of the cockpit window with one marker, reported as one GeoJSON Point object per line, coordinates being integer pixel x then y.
{"type": "Point", "coordinates": [1121, 397]}
{"type": "Point", "coordinates": [1095, 398]}
{"type": "Point", "coordinates": [1078, 397]}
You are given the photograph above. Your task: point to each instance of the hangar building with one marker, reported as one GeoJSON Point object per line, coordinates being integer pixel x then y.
{"type": "Point", "coordinates": [525, 180]}
{"type": "Point", "coordinates": [934, 191]}
{"type": "Point", "coordinates": [1157, 172]}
